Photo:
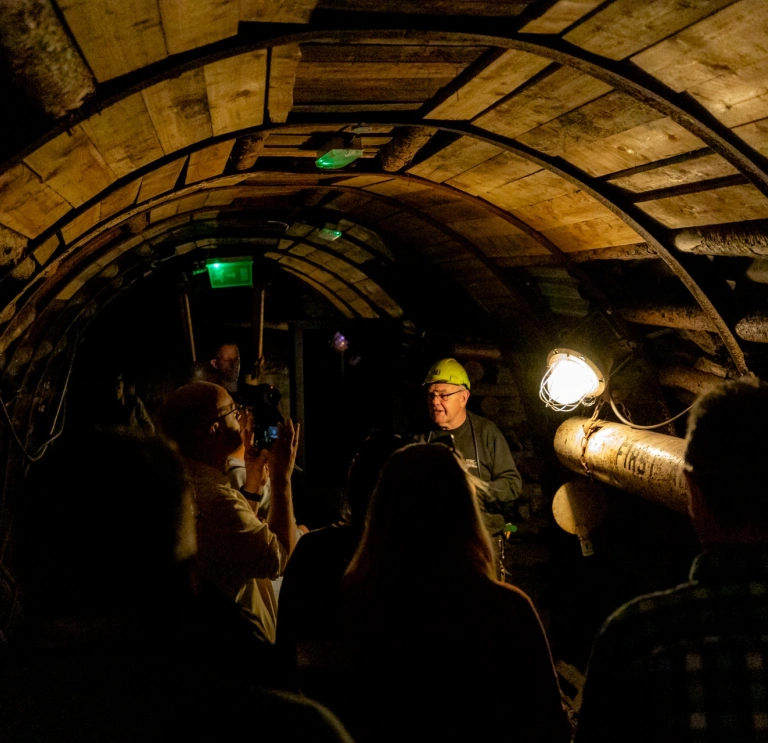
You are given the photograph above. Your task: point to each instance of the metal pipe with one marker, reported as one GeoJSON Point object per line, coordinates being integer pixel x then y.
{"type": "Point", "coordinates": [641, 462]}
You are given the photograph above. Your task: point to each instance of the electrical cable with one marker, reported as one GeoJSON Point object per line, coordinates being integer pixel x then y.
{"type": "Point", "coordinates": [643, 428]}
{"type": "Point", "coordinates": [60, 410]}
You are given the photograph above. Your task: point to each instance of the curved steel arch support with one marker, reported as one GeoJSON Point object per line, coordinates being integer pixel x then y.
{"type": "Point", "coordinates": [634, 217]}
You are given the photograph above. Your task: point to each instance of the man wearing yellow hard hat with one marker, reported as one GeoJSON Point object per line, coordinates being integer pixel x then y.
{"type": "Point", "coordinates": [476, 439]}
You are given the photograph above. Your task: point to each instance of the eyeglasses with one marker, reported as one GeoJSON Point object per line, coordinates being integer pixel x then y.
{"type": "Point", "coordinates": [441, 395]}
{"type": "Point", "coordinates": [236, 409]}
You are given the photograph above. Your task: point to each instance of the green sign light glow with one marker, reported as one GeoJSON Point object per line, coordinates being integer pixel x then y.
{"type": "Point", "coordinates": [337, 158]}
{"type": "Point", "coordinates": [227, 274]}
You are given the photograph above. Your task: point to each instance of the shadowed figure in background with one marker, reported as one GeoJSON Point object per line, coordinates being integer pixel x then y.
{"type": "Point", "coordinates": [309, 618]}
{"type": "Point", "coordinates": [116, 636]}
{"type": "Point", "coordinates": [222, 368]}
{"type": "Point", "coordinates": [689, 663]}
{"type": "Point", "coordinates": [440, 650]}
{"type": "Point", "coordinates": [125, 408]}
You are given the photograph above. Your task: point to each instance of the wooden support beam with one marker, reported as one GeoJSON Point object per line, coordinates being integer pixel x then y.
{"type": "Point", "coordinates": [44, 62]}
{"type": "Point", "coordinates": [685, 378]}
{"type": "Point", "coordinates": [687, 317]}
{"type": "Point", "coordinates": [735, 238]}
{"type": "Point", "coordinates": [12, 245]}
{"type": "Point", "coordinates": [753, 327]}
{"type": "Point", "coordinates": [402, 148]}
{"type": "Point", "coordinates": [247, 150]}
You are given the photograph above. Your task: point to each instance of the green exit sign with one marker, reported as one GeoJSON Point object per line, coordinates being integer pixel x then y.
{"type": "Point", "coordinates": [227, 274]}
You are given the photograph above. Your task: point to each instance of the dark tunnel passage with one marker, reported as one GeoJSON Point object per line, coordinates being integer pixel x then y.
{"type": "Point", "coordinates": [387, 223]}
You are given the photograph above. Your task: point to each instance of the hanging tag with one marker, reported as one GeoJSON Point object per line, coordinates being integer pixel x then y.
{"type": "Point", "coordinates": [586, 547]}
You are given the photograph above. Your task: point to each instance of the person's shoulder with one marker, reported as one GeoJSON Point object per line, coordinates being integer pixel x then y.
{"type": "Point", "coordinates": [650, 615]}
{"type": "Point", "coordinates": [323, 545]}
{"type": "Point", "coordinates": [484, 424]}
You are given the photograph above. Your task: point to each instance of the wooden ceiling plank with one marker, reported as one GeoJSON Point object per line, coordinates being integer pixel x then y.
{"type": "Point", "coordinates": [236, 89]}
{"type": "Point", "coordinates": [731, 204]}
{"type": "Point", "coordinates": [276, 11]}
{"type": "Point", "coordinates": [493, 173]}
{"type": "Point", "coordinates": [593, 234]}
{"type": "Point", "coordinates": [72, 166]}
{"type": "Point", "coordinates": [627, 26]}
{"type": "Point", "coordinates": [692, 171]}
{"type": "Point", "coordinates": [562, 210]}
{"type": "Point", "coordinates": [120, 199]}
{"type": "Point", "coordinates": [613, 113]}
{"type": "Point", "coordinates": [737, 98]}
{"type": "Point", "coordinates": [539, 186]}
{"type": "Point", "coordinates": [188, 24]}
{"type": "Point", "coordinates": [355, 108]}
{"type": "Point", "coordinates": [124, 135]}
{"type": "Point", "coordinates": [284, 61]}
{"type": "Point", "coordinates": [27, 205]}
{"type": "Point", "coordinates": [164, 211]}
{"type": "Point", "coordinates": [456, 158]}
{"type": "Point", "coordinates": [287, 140]}
{"type": "Point", "coordinates": [116, 36]}
{"type": "Point", "coordinates": [179, 110]}
{"type": "Point", "coordinates": [501, 77]}
{"type": "Point", "coordinates": [492, 8]}
{"type": "Point", "coordinates": [755, 134]}
{"type": "Point", "coordinates": [208, 162]}
{"type": "Point", "coordinates": [349, 72]}
{"type": "Point", "coordinates": [726, 42]}
{"type": "Point", "coordinates": [561, 92]}
{"type": "Point", "coordinates": [81, 224]}
{"type": "Point", "coordinates": [161, 180]}
{"type": "Point", "coordinates": [647, 143]}
{"type": "Point", "coordinates": [364, 53]}
{"type": "Point", "coordinates": [560, 16]}
{"type": "Point", "coordinates": [568, 209]}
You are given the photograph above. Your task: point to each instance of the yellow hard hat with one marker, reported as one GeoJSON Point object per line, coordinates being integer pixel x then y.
{"type": "Point", "coordinates": [449, 371]}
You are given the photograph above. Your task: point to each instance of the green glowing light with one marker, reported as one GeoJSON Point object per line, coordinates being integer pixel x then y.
{"type": "Point", "coordinates": [337, 158]}
{"type": "Point", "coordinates": [328, 234]}
{"type": "Point", "coordinates": [228, 274]}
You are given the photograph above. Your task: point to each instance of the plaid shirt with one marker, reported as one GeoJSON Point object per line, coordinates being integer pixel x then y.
{"type": "Point", "coordinates": [688, 664]}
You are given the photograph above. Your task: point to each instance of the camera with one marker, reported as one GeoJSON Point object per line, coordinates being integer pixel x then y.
{"type": "Point", "coordinates": [262, 401]}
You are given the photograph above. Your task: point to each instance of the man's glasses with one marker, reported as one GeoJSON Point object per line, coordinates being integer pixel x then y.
{"type": "Point", "coordinates": [236, 409]}
{"type": "Point", "coordinates": [441, 395]}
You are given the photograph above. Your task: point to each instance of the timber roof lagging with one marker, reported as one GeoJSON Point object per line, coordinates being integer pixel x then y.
{"type": "Point", "coordinates": [565, 138]}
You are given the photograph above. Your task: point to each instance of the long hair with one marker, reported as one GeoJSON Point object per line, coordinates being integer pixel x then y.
{"type": "Point", "coordinates": [423, 520]}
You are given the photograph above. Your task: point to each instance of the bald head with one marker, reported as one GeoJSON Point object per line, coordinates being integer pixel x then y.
{"type": "Point", "coordinates": [191, 413]}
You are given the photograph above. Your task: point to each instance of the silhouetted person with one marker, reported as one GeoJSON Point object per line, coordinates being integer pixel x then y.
{"type": "Point", "coordinates": [310, 618]}
{"type": "Point", "coordinates": [114, 647]}
{"type": "Point", "coordinates": [222, 368]}
{"type": "Point", "coordinates": [441, 650]}
{"type": "Point", "coordinates": [238, 552]}
{"type": "Point", "coordinates": [689, 664]}
{"type": "Point", "coordinates": [125, 409]}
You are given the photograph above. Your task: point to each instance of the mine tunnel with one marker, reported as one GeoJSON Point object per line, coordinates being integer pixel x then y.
{"type": "Point", "coordinates": [350, 191]}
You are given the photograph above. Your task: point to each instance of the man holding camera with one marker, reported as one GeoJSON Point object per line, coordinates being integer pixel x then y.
{"type": "Point", "coordinates": [238, 552]}
{"type": "Point", "coordinates": [479, 441]}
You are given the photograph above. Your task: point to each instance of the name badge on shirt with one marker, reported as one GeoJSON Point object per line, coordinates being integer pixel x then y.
{"type": "Point", "coordinates": [471, 464]}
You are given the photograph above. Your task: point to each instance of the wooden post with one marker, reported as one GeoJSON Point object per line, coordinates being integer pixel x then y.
{"type": "Point", "coordinates": [692, 380]}
{"type": "Point", "coordinates": [247, 150]}
{"type": "Point", "coordinates": [44, 62]}
{"type": "Point", "coordinates": [688, 317]}
{"type": "Point", "coordinates": [402, 148]}
{"type": "Point", "coordinates": [736, 238]}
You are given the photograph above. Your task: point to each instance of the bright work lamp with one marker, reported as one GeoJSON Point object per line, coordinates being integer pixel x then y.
{"type": "Point", "coordinates": [338, 153]}
{"type": "Point", "coordinates": [571, 380]}
{"type": "Point", "coordinates": [225, 274]}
